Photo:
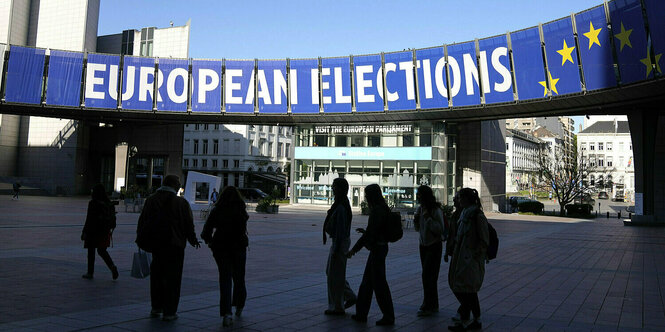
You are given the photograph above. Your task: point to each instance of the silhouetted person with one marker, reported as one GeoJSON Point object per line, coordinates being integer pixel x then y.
{"type": "Point", "coordinates": [16, 186]}
{"type": "Point", "coordinates": [338, 226]}
{"type": "Point", "coordinates": [164, 206]}
{"type": "Point", "coordinates": [374, 278]}
{"type": "Point", "coordinates": [428, 221]}
{"type": "Point", "coordinates": [214, 196]}
{"type": "Point", "coordinates": [99, 224]}
{"type": "Point", "coordinates": [228, 220]}
{"type": "Point", "coordinates": [467, 267]}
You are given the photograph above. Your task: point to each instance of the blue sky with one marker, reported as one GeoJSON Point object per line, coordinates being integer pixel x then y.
{"type": "Point", "coordinates": [305, 29]}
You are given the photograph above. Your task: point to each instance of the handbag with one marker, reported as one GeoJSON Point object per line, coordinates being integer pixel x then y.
{"type": "Point", "coordinates": [141, 264]}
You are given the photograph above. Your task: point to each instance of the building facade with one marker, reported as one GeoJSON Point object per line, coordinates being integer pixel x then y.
{"type": "Point", "coordinates": [171, 42]}
{"type": "Point", "coordinates": [522, 153]}
{"type": "Point", "coordinates": [607, 149]}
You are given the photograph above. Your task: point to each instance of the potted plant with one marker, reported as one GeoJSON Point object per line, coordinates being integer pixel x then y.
{"type": "Point", "coordinates": [268, 204]}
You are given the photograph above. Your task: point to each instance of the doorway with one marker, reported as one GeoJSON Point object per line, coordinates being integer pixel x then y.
{"type": "Point", "coordinates": [356, 196]}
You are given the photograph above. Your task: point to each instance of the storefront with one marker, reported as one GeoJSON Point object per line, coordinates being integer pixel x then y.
{"type": "Point", "coordinates": [397, 157]}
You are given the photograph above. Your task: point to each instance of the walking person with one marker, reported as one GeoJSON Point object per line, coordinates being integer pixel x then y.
{"type": "Point", "coordinates": [166, 223]}
{"type": "Point", "coordinates": [338, 226]}
{"type": "Point", "coordinates": [470, 237]}
{"type": "Point", "coordinates": [214, 196]}
{"type": "Point", "coordinates": [228, 220]}
{"type": "Point", "coordinates": [429, 222]}
{"type": "Point", "coordinates": [97, 231]}
{"type": "Point", "coordinates": [374, 277]}
{"type": "Point", "coordinates": [16, 186]}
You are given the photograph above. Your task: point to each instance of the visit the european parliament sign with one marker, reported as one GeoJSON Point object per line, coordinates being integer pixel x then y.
{"type": "Point", "coordinates": [599, 48]}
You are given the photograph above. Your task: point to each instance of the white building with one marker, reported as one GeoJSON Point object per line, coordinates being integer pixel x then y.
{"type": "Point", "coordinates": [522, 152]}
{"type": "Point", "coordinates": [242, 155]}
{"type": "Point", "coordinates": [151, 41]}
{"type": "Point", "coordinates": [608, 149]}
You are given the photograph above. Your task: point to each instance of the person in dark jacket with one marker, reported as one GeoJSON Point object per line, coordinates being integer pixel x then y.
{"type": "Point", "coordinates": [338, 226]}
{"type": "Point", "coordinates": [374, 277]}
{"type": "Point", "coordinates": [168, 256]}
{"type": "Point", "coordinates": [228, 220]}
{"type": "Point", "coordinates": [99, 224]}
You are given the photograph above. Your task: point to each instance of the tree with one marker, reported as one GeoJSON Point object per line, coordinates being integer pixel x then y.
{"type": "Point", "coordinates": [565, 179]}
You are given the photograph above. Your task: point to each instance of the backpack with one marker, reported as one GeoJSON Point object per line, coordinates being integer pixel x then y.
{"type": "Point", "coordinates": [493, 246]}
{"type": "Point", "coordinates": [394, 230]}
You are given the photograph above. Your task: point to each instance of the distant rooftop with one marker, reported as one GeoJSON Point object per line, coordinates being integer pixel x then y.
{"type": "Point", "coordinates": [607, 127]}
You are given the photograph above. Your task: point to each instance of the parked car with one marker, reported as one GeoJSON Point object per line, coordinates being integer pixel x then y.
{"type": "Point", "coordinates": [584, 198]}
{"type": "Point", "coordinates": [252, 194]}
{"type": "Point", "coordinates": [515, 201]}
{"type": "Point", "coordinates": [618, 195]}
{"type": "Point", "coordinates": [603, 195]}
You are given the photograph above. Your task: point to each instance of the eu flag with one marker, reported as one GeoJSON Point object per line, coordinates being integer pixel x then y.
{"type": "Point", "coordinates": [656, 17]}
{"type": "Point", "coordinates": [595, 50]}
{"type": "Point", "coordinates": [562, 65]}
{"type": "Point", "coordinates": [630, 41]}
{"type": "Point", "coordinates": [528, 62]}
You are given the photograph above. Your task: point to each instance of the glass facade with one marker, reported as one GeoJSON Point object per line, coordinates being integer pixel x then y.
{"type": "Point", "coordinates": [397, 157]}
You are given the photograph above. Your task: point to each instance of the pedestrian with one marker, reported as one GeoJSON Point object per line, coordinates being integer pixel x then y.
{"type": "Point", "coordinates": [98, 229]}
{"type": "Point", "coordinates": [470, 239]}
{"type": "Point", "coordinates": [429, 222]}
{"type": "Point", "coordinates": [228, 220]}
{"type": "Point", "coordinates": [16, 186]}
{"type": "Point", "coordinates": [374, 278]}
{"type": "Point", "coordinates": [338, 226]}
{"type": "Point", "coordinates": [214, 196]}
{"type": "Point", "coordinates": [172, 214]}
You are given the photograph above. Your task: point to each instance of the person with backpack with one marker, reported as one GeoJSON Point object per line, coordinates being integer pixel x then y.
{"type": "Point", "coordinates": [165, 226]}
{"type": "Point", "coordinates": [429, 222]}
{"type": "Point", "coordinates": [374, 238]}
{"type": "Point", "coordinates": [469, 238]}
{"type": "Point", "coordinates": [228, 220]}
{"type": "Point", "coordinates": [98, 229]}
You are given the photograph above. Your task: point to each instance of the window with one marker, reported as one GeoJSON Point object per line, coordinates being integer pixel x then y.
{"type": "Point", "coordinates": [216, 126]}
{"type": "Point", "coordinates": [225, 163]}
{"type": "Point", "coordinates": [601, 161]}
{"type": "Point", "coordinates": [620, 146]}
{"type": "Point", "coordinates": [196, 146]}
{"type": "Point", "coordinates": [214, 163]}
{"type": "Point", "coordinates": [205, 146]}
{"type": "Point", "coordinates": [215, 146]}
{"type": "Point", "coordinates": [186, 162]}
{"type": "Point", "coordinates": [286, 151]}
{"type": "Point", "coordinates": [407, 140]}
{"type": "Point", "coordinates": [600, 146]}
{"type": "Point", "coordinates": [609, 161]}
{"type": "Point", "coordinates": [341, 140]}
{"type": "Point", "coordinates": [374, 140]}
{"type": "Point", "coordinates": [507, 149]}
{"type": "Point", "coordinates": [621, 164]}
{"type": "Point", "coordinates": [279, 149]}
{"type": "Point", "coordinates": [583, 146]}
{"type": "Point", "coordinates": [195, 162]}
{"type": "Point", "coordinates": [225, 146]}
{"type": "Point", "coordinates": [320, 140]}
{"type": "Point", "coordinates": [186, 148]}
{"type": "Point", "coordinates": [269, 149]}
{"type": "Point", "coordinates": [197, 126]}
{"type": "Point", "coordinates": [204, 163]}
{"type": "Point", "coordinates": [147, 35]}
{"type": "Point", "coordinates": [251, 145]}
{"type": "Point", "coordinates": [592, 180]}
{"type": "Point", "coordinates": [592, 146]}
{"type": "Point", "coordinates": [205, 126]}
{"type": "Point", "coordinates": [236, 163]}
{"type": "Point", "coordinates": [609, 146]}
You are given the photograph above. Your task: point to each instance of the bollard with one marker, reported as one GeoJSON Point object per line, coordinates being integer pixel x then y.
{"type": "Point", "coordinates": [630, 215]}
{"type": "Point", "coordinates": [608, 214]}
{"type": "Point", "coordinates": [619, 215]}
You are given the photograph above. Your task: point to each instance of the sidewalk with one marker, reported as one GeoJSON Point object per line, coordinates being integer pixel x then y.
{"type": "Point", "coordinates": [551, 274]}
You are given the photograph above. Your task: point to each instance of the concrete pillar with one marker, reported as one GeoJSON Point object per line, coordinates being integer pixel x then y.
{"type": "Point", "coordinates": [119, 178]}
{"type": "Point", "coordinates": [644, 127]}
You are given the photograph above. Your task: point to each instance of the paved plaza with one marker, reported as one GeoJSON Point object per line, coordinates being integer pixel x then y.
{"type": "Point", "coordinates": [551, 274]}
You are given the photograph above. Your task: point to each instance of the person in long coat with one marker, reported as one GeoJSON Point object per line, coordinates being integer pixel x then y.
{"type": "Point", "coordinates": [97, 230]}
{"type": "Point", "coordinates": [228, 220]}
{"type": "Point", "coordinates": [470, 238]}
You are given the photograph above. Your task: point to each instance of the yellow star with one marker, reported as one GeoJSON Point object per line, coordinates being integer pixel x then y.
{"type": "Point", "coordinates": [658, 62]}
{"type": "Point", "coordinates": [553, 82]}
{"type": "Point", "coordinates": [624, 37]}
{"type": "Point", "coordinates": [566, 53]}
{"type": "Point", "coordinates": [647, 62]}
{"type": "Point", "coordinates": [593, 35]}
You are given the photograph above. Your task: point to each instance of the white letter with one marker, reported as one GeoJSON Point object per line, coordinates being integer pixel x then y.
{"type": "Point", "coordinates": [293, 78]}
{"type": "Point", "coordinates": [505, 73]}
{"type": "Point", "coordinates": [392, 96]}
{"type": "Point", "coordinates": [315, 86]}
{"type": "Point", "coordinates": [438, 77]}
{"type": "Point", "coordinates": [230, 86]}
{"type": "Point", "coordinates": [427, 77]}
{"type": "Point", "coordinates": [129, 86]}
{"type": "Point", "coordinates": [484, 72]}
{"type": "Point", "coordinates": [339, 90]}
{"type": "Point", "coordinates": [145, 88]}
{"type": "Point", "coordinates": [279, 85]}
{"type": "Point", "coordinates": [407, 67]}
{"type": "Point", "coordinates": [470, 70]}
{"type": "Point", "coordinates": [170, 85]}
{"type": "Point", "coordinates": [113, 81]}
{"type": "Point", "coordinates": [325, 86]}
{"type": "Point", "coordinates": [362, 84]}
{"type": "Point", "coordinates": [91, 80]}
{"type": "Point", "coordinates": [263, 88]}
{"type": "Point", "coordinates": [249, 99]}
{"type": "Point", "coordinates": [455, 76]}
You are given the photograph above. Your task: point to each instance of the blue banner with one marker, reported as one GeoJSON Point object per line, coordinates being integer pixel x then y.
{"type": "Point", "coordinates": [336, 84]}
{"type": "Point", "coordinates": [564, 74]}
{"type": "Point", "coordinates": [400, 86]}
{"type": "Point", "coordinates": [432, 86]}
{"type": "Point", "coordinates": [630, 41]}
{"type": "Point", "coordinates": [207, 87]}
{"type": "Point", "coordinates": [64, 78]}
{"type": "Point", "coordinates": [304, 85]}
{"type": "Point", "coordinates": [24, 75]}
{"type": "Point", "coordinates": [101, 81]}
{"type": "Point", "coordinates": [369, 83]}
{"type": "Point", "coordinates": [172, 79]}
{"type": "Point", "coordinates": [239, 86]}
{"type": "Point", "coordinates": [528, 64]}
{"type": "Point", "coordinates": [495, 70]}
{"type": "Point", "coordinates": [272, 86]}
{"type": "Point", "coordinates": [464, 81]}
{"type": "Point", "coordinates": [138, 82]}
{"type": "Point", "coordinates": [656, 16]}
{"type": "Point", "coordinates": [595, 49]}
